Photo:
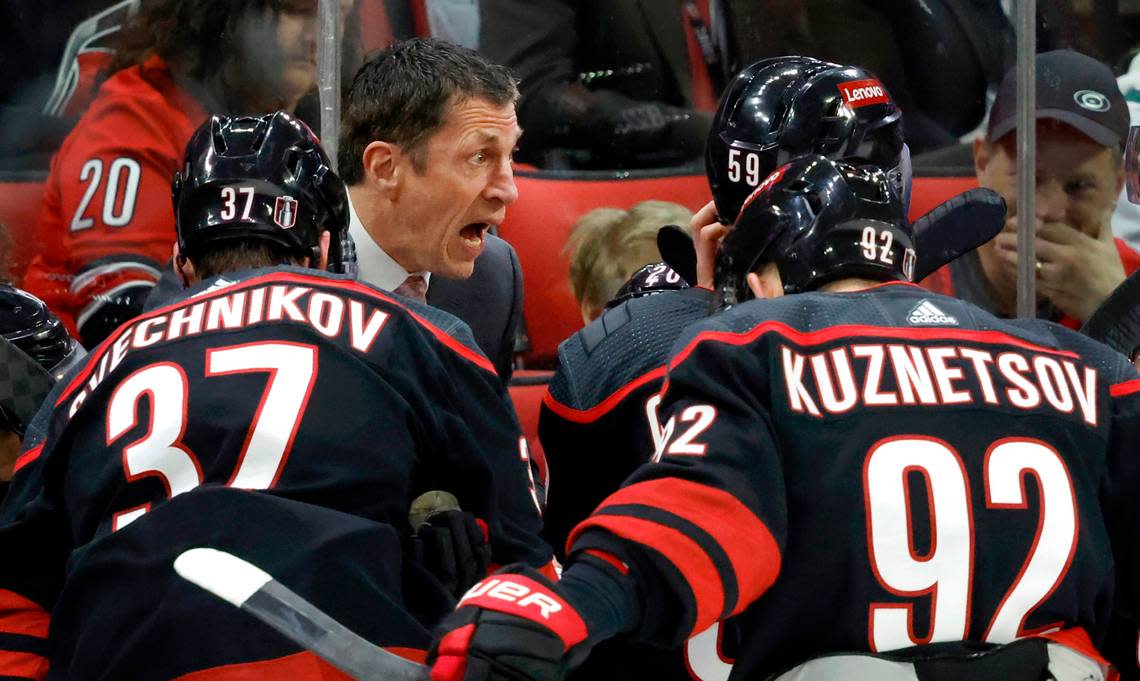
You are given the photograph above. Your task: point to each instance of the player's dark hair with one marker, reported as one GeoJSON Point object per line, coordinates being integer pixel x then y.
{"type": "Point", "coordinates": [402, 95]}
{"type": "Point", "coordinates": [242, 255]}
{"type": "Point", "coordinates": [224, 51]}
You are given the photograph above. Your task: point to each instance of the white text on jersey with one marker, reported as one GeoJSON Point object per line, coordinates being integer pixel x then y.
{"type": "Point", "coordinates": [326, 312]}
{"type": "Point", "coordinates": [898, 374]}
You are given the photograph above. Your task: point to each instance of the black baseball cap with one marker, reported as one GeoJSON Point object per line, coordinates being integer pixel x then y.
{"type": "Point", "coordinates": [1072, 88]}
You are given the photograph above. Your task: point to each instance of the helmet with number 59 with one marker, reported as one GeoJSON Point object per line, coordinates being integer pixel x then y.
{"type": "Point", "coordinates": [781, 108]}
{"type": "Point", "coordinates": [818, 221]}
{"type": "Point", "coordinates": [262, 178]}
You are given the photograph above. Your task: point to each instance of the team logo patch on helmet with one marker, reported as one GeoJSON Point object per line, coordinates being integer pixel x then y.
{"type": "Point", "coordinates": [285, 212]}
{"type": "Point", "coordinates": [864, 92]}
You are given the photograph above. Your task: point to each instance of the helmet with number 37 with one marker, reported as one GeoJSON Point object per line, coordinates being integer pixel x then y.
{"type": "Point", "coordinates": [781, 108]}
{"type": "Point", "coordinates": [818, 221]}
{"type": "Point", "coordinates": [262, 178]}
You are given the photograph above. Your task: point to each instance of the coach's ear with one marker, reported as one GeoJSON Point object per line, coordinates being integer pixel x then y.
{"type": "Point", "coordinates": [767, 282]}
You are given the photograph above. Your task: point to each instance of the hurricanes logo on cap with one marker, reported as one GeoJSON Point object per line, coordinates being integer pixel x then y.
{"type": "Point", "coordinates": [285, 212]}
{"type": "Point", "coordinates": [1091, 100]}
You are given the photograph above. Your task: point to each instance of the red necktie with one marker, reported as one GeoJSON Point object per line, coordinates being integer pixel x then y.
{"type": "Point", "coordinates": [414, 287]}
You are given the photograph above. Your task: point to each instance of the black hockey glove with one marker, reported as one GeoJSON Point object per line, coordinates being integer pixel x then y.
{"type": "Point", "coordinates": [513, 626]}
{"type": "Point", "coordinates": [453, 547]}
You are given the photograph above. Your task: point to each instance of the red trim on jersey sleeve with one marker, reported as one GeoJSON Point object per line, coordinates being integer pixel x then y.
{"type": "Point", "coordinates": [1076, 639]}
{"type": "Point", "coordinates": [745, 539]}
{"type": "Point", "coordinates": [25, 665]}
{"type": "Point", "coordinates": [303, 666]}
{"type": "Point", "coordinates": [609, 558]}
{"type": "Point", "coordinates": [27, 457]}
{"type": "Point", "coordinates": [1125, 388]}
{"type": "Point", "coordinates": [833, 333]}
{"type": "Point", "coordinates": [695, 566]}
{"type": "Point", "coordinates": [603, 407]}
{"type": "Point", "coordinates": [21, 615]}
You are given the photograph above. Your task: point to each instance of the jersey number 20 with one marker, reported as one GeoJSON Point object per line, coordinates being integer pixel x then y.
{"type": "Point", "coordinates": [292, 369]}
{"type": "Point", "coordinates": [945, 572]}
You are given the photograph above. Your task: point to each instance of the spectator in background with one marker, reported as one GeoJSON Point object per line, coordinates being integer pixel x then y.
{"type": "Point", "coordinates": [427, 135]}
{"type": "Point", "coordinates": [106, 226]}
{"type": "Point", "coordinates": [938, 58]}
{"type": "Point", "coordinates": [608, 245]}
{"type": "Point", "coordinates": [609, 83]}
{"type": "Point", "coordinates": [1082, 124]}
{"type": "Point", "coordinates": [1126, 219]}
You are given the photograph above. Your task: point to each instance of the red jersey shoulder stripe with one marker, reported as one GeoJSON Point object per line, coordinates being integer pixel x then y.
{"type": "Point", "coordinates": [25, 459]}
{"type": "Point", "coordinates": [859, 331]}
{"type": "Point", "coordinates": [1125, 388]}
{"type": "Point", "coordinates": [602, 408]}
{"type": "Point", "coordinates": [459, 348]}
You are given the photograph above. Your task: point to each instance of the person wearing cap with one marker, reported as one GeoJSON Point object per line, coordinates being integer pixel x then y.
{"type": "Point", "coordinates": [1082, 124]}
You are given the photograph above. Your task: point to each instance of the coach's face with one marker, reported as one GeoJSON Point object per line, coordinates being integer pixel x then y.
{"type": "Point", "coordinates": [460, 188]}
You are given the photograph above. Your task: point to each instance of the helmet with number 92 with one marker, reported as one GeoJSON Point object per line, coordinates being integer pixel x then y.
{"type": "Point", "coordinates": [818, 221]}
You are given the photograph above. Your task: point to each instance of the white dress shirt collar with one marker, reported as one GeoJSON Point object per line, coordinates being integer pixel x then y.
{"type": "Point", "coordinates": [374, 265]}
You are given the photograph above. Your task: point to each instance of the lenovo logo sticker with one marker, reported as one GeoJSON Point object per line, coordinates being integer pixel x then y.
{"type": "Point", "coordinates": [859, 93]}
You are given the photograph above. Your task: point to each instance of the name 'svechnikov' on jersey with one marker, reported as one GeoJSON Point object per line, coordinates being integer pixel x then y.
{"type": "Point", "coordinates": [883, 374]}
{"type": "Point", "coordinates": [324, 311]}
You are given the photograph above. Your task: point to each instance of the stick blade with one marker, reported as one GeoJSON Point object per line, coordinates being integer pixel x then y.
{"type": "Point", "coordinates": [956, 227]}
{"type": "Point", "coordinates": [222, 574]}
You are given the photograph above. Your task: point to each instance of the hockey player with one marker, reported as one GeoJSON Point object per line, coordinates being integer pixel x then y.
{"type": "Point", "coordinates": [36, 351]}
{"type": "Point", "coordinates": [880, 482]}
{"type": "Point", "coordinates": [283, 414]}
{"type": "Point", "coordinates": [599, 418]}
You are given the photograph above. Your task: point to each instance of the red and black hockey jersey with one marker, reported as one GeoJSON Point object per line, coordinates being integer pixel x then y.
{"type": "Point", "coordinates": [322, 406]}
{"type": "Point", "coordinates": [874, 470]}
{"type": "Point", "coordinates": [598, 423]}
{"type": "Point", "coordinates": [598, 420]}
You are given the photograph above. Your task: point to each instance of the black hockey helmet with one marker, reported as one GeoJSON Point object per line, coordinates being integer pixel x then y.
{"type": "Point", "coordinates": [818, 220]}
{"type": "Point", "coordinates": [261, 178]}
{"type": "Point", "coordinates": [36, 352]}
{"type": "Point", "coordinates": [656, 277]}
{"type": "Point", "coordinates": [784, 107]}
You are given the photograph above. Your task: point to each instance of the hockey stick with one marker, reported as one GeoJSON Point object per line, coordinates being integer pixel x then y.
{"type": "Point", "coordinates": [956, 227]}
{"type": "Point", "coordinates": [250, 588]}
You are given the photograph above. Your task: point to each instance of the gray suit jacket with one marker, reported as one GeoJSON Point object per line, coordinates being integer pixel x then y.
{"type": "Point", "coordinates": [490, 301]}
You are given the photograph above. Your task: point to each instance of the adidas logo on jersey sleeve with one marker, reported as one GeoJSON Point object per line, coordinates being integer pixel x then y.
{"type": "Point", "coordinates": [927, 312]}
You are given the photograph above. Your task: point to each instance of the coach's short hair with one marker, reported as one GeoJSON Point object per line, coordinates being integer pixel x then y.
{"type": "Point", "coordinates": [402, 96]}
